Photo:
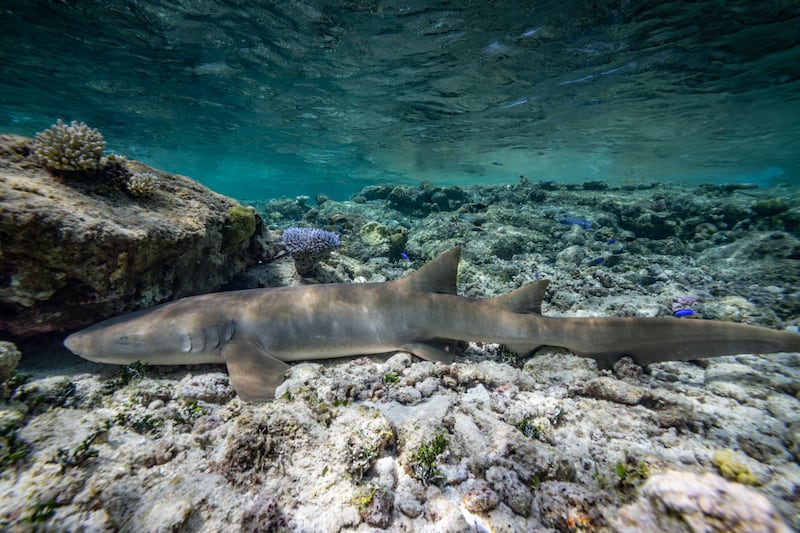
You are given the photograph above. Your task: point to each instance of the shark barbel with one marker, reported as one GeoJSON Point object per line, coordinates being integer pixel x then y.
{"type": "Point", "coordinates": [255, 332]}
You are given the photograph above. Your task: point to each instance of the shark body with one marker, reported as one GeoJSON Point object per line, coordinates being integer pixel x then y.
{"type": "Point", "coordinates": [255, 332]}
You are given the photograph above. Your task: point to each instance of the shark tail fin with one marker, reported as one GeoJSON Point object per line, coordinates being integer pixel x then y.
{"type": "Point", "coordinates": [654, 340]}
{"type": "Point", "coordinates": [437, 275]}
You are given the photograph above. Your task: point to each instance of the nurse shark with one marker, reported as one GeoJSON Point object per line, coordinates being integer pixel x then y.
{"type": "Point", "coordinates": [256, 332]}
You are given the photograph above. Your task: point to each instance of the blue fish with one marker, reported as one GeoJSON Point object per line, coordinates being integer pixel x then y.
{"type": "Point", "coordinates": [685, 313]}
{"type": "Point", "coordinates": [404, 256]}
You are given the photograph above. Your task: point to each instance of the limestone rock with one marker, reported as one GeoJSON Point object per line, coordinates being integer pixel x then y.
{"type": "Point", "coordinates": [9, 359]}
{"type": "Point", "coordinates": [684, 501]}
{"type": "Point", "coordinates": [76, 250]}
{"type": "Point", "coordinates": [166, 516]}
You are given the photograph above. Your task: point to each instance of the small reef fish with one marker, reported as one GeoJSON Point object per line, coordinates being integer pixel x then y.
{"type": "Point", "coordinates": [256, 332]}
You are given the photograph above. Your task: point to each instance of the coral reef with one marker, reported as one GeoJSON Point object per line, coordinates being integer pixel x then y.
{"type": "Point", "coordinates": [75, 147]}
{"type": "Point", "coordinates": [492, 442]}
{"type": "Point", "coordinates": [769, 207]}
{"type": "Point", "coordinates": [417, 201]}
{"type": "Point", "coordinates": [341, 447]}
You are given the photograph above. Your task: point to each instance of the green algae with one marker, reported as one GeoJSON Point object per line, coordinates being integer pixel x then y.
{"type": "Point", "coordinates": [239, 227]}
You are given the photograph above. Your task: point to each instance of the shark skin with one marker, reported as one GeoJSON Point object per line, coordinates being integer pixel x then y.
{"type": "Point", "coordinates": [256, 332]}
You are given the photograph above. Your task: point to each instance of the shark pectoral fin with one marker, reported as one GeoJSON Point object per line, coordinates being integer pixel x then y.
{"type": "Point", "coordinates": [255, 374]}
{"type": "Point", "coordinates": [434, 351]}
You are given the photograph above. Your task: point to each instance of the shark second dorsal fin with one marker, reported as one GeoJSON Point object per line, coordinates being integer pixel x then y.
{"type": "Point", "coordinates": [526, 299]}
{"type": "Point", "coordinates": [437, 275]}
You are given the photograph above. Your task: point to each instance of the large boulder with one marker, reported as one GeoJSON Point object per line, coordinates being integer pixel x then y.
{"type": "Point", "coordinates": [77, 248]}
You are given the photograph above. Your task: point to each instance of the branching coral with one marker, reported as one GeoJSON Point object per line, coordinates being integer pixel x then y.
{"type": "Point", "coordinates": [143, 184]}
{"type": "Point", "coordinates": [75, 147]}
{"type": "Point", "coordinates": [308, 246]}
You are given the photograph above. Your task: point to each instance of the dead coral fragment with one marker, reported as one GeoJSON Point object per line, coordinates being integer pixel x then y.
{"type": "Point", "coordinates": [375, 505]}
{"type": "Point", "coordinates": [143, 184]}
{"type": "Point", "coordinates": [84, 451]}
{"type": "Point", "coordinates": [12, 447]}
{"type": "Point", "coordinates": [263, 515]}
{"type": "Point", "coordinates": [481, 498]}
{"type": "Point", "coordinates": [72, 148]}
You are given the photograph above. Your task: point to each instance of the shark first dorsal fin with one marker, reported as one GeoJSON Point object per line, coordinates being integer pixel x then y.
{"type": "Point", "coordinates": [438, 275]}
{"type": "Point", "coordinates": [526, 299]}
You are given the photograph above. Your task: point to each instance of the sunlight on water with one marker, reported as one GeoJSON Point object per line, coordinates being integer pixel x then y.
{"type": "Point", "coordinates": [264, 100]}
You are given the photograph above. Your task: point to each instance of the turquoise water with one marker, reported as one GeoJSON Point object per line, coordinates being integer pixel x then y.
{"type": "Point", "coordinates": [268, 99]}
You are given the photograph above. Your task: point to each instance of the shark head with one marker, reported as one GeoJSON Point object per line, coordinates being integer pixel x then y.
{"type": "Point", "coordinates": [153, 336]}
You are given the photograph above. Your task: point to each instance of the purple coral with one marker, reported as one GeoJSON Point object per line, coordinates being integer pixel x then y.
{"type": "Point", "coordinates": [308, 246]}
{"type": "Point", "coordinates": [683, 302]}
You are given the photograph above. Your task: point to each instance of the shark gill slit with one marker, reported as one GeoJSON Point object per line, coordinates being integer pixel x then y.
{"type": "Point", "coordinates": [186, 345]}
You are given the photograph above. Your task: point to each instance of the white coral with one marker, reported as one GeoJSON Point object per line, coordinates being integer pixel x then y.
{"type": "Point", "coordinates": [72, 148]}
{"type": "Point", "coordinates": [143, 184]}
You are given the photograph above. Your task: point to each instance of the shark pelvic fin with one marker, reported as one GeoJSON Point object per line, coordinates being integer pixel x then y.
{"type": "Point", "coordinates": [522, 348]}
{"type": "Point", "coordinates": [437, 275]}
{"type": "Point", "coordinates": [254, 373]}
{"type": "Point", "coordinates": [526, 299]}
{"type": "Point", "coordinates": [434, 351]}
